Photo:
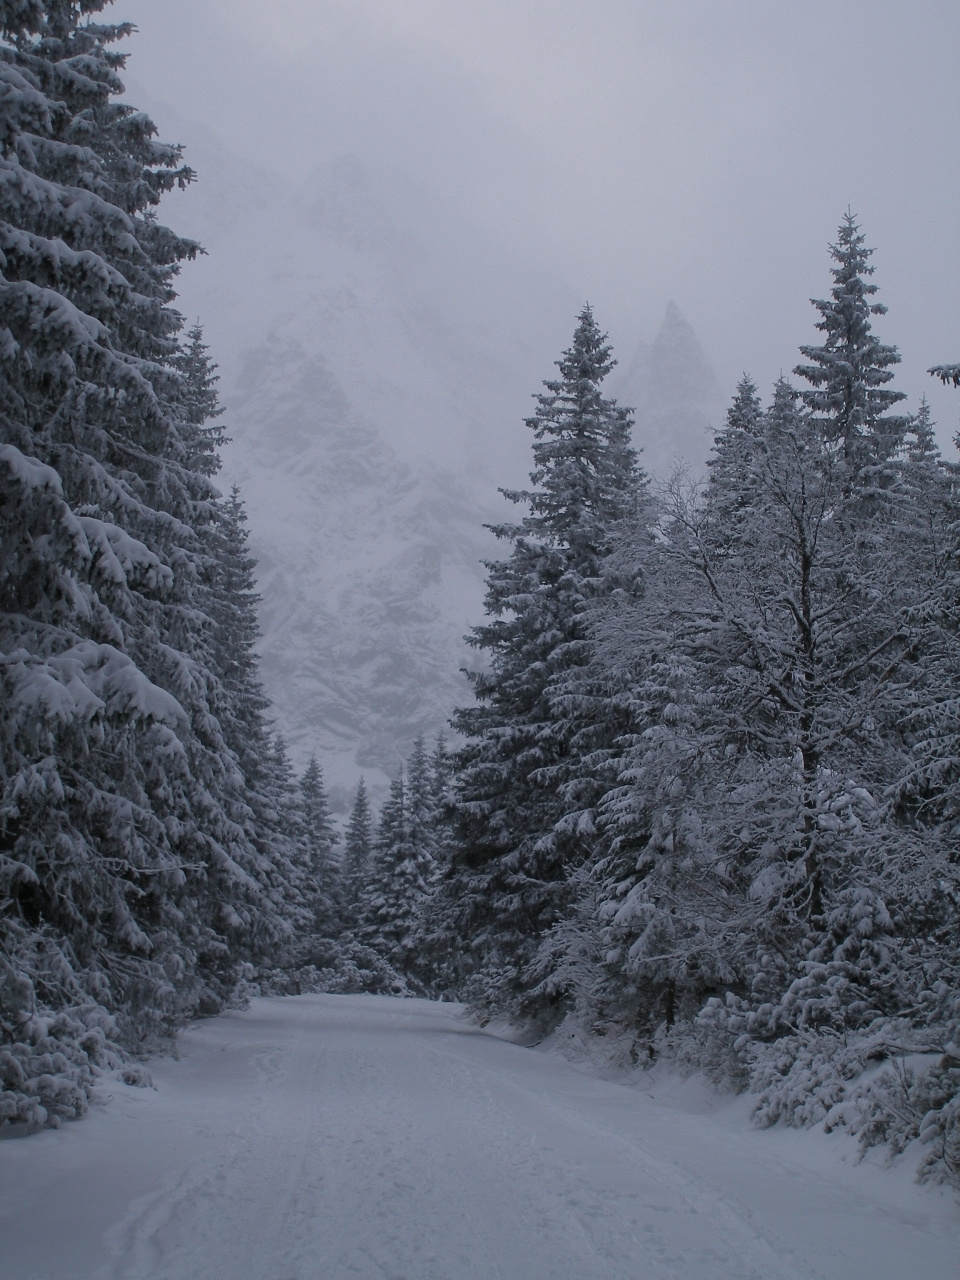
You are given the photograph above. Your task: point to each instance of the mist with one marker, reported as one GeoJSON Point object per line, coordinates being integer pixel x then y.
{"type": "Point", "coordinates": [639, 153]}
{"type": "Point", "coordinates": [549, 763]}
{"type": "Point", "coordinates": [404, 207]}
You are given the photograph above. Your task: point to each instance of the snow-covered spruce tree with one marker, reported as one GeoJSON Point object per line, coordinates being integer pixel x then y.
{"type": "Point", "coordinates": [507, 881]}
{"type": "Point", "coordinates": [807, 666]}
{"type": "Point", "coordinates": [850, 370]}
{"type": "Point", "coordinates": [441, 773]}
{"type": "Point", "coordinates": [419, 798]}
{"type": "Point", "coordinates": [428, 794]}
{"type": "Point", "coordinates": [932, 784]}
{"type": "Point", "coordinates": [895, 460]}
{"type": "Point", "coordinates": [397, 883]}
{"type": "Point", "coordinates": [279, 835]}
{"type": "Point", "coordinates": [733, 449]}
{"type": "Point", "coordinates": [900, 1104]}
{"type": "Point", "coordinates": [345, 953]}
{"type": "Point", "coordinates": [651, 711]}
{"type": "Point", "coordinates": [880, 980]}
{"type": "Point", "coordinates": [761, 883]}
{"type": "Point", "coordinates": [947, 373]}
{"type": "Point", "coordinates": [773, 883]}
{"type": "Point", "coordinates": [438, 959]}
{"type": "Point", "coordinates": [927, 796]}
{"type": "Point", "coordinates": [357, 851]}
{"type": "Point", "coordinates": [403, 871]}
{"type": "Point", "coordinates": [126, 875]}
{"type": "Point", "coordinates": [226, 604]}
{"type": "Point", "coordinates": [199, 403]}
{"type": "Point", "coordinates": [325, 895]}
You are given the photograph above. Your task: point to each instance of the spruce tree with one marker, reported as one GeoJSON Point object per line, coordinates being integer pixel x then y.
{"type": "Point", "coordinates": [931, 557]}
{"type": "Point", "coordinates": [507, 880]}
{"type": "Point", "coordinates": [758, 894]}
{"type": "Point", "coordinates": [733, 447]}
{"type": "Point", "coordinates": [399, 879]}
{"type": "Point", "coordinates": [199, 403]}
{"type": "Point", "coordinates": [850, 371]}
{"type": "Point", "coordinates": [132, 891]}
{"type": "Point", "coordinates": [922, 448]}
{"type": "Point", "coordinates": [357, 850]}
{"type": "Point", "coordinates": [325, 894]}
{"type": "Point", "coordinates": [421, 803]}
{"type": "Point", "coordinates": [441, 773]}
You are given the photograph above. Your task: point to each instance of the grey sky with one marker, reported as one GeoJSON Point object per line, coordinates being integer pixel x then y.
{"type": "Point", "coordinates": [701, 150]}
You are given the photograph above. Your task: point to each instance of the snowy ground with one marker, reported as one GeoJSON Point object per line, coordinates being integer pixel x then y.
{"type": "Point", "coordinates": [327, 1137]}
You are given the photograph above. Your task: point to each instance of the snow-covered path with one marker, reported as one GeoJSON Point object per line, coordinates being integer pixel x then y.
{"type": "Point", "coordinates": [327, 1137]}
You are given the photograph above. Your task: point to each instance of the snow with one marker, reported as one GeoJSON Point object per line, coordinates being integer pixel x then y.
{"type": "Point", "coordinates": [29, 472]}
{"type": "Point", "coordinates": [122, 556]}
{"type": "Point", "coordinates": [387, 1139]}
{"type": "Point", "coordinates": [83, 680]}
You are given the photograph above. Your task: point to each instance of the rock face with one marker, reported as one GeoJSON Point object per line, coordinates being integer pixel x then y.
{"type": "Point", "coordinates": [378, 359]}
{"type": "Point", "coordinates": [369, 568]}
{"type": "Point", "coordinates": [676, 396]}
{"type": "Point", "coordinates": [376, 376]}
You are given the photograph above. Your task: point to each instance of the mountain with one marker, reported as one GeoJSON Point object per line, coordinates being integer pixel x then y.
{"type": "Point", "coordinates": [369, 568]}
{"type": "Point", "coordinates": [378, 356]}
{"type": "Point", "coordinates": [377, 361]}
{"type": "Point", "coordinates": [677, 398]}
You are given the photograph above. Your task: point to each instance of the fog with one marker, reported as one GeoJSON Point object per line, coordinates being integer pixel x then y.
{"type": "Point", "coordinates": [404, 206]}
{"type": "Point", "coordinates": [638, 151]}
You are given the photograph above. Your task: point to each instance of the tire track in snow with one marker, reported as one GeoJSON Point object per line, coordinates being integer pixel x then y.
{"type": "Point", "coordinates": [364, 1138]}
{"type": "Point", "coordinates": [743, 1244]}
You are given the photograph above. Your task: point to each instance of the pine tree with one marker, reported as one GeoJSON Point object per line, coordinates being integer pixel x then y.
{"type": "Point", "coordinates": [357, 850]}
{"type": "Point", "coordinates": [399, 880]}
{"type": "Point", "coordinates": [506, 883]}
{"type": "Point", "coordinates": [752, 882]}
{"type": "Point", "coordinates": [131, 890]}
{"type": "Point", "coordinates": [850, 370]}
{"type": "Point", "coordinates": [321, 838]}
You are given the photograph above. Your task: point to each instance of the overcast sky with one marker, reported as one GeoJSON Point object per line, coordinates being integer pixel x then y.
{"type": "Point", "coordinates": [641, 150]}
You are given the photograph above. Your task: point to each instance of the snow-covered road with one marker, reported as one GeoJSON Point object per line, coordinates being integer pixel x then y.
{"type": "Point", "coordinates": [327, 1137]}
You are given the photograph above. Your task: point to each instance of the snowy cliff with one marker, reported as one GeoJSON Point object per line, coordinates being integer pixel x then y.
{"type": "Point", "coordinates": [378, 358]}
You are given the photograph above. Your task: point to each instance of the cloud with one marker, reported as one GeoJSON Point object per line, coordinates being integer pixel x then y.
{"type": "Point", "coordinates": [644, 151]}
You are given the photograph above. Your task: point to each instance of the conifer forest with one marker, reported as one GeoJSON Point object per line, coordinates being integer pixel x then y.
{"type": "Point", "coordinates": [700, 803]}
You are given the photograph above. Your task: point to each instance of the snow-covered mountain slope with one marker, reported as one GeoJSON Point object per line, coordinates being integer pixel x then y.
{"type": "Point", "coordinates": [377, 363]}
{"type": "Point", "coordinates": [378, 358]}
{"type": "Point", "coordinates": [674, 390]}
{"type": "Point", "coordinates": [371, 1137]}
{"type": "Point", "coordinates": [369, 566]}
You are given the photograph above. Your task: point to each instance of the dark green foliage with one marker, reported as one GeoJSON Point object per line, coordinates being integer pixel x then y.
{"type": "Point", "coordinates": [507, 880]}
{"type": "Point", "coordinates": [710, 798]}
{"type": "Point", "coordinates": [850, 371]}
{"type": "Point", "coordinates": [139, 873]}
{"type": "Point", "coordinates": [325, 882]}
